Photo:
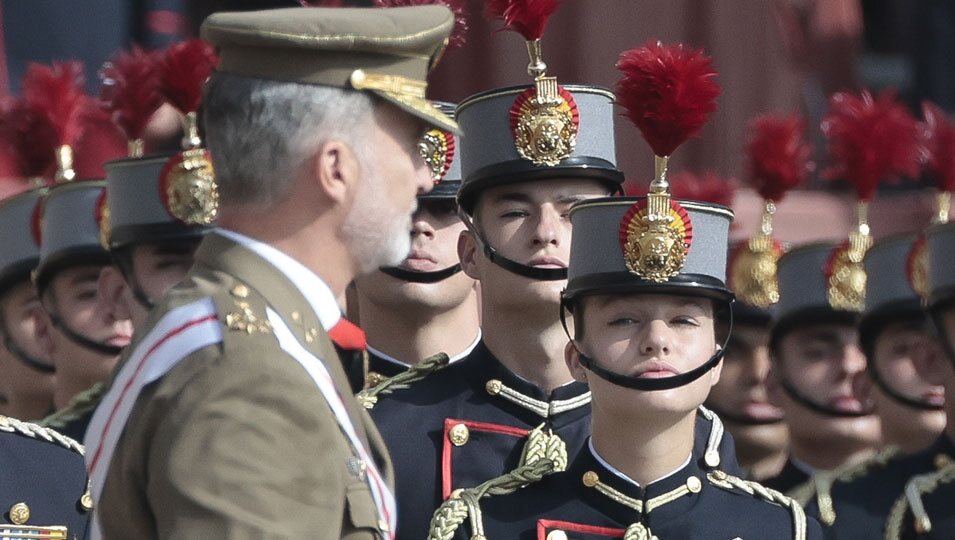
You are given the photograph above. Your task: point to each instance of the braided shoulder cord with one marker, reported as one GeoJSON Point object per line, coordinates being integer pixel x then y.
{"type": "Point", "coordinates": [823, 481]}
{"type": "Point", "coordinates": [917, 486]}
{"type": "Point", "coordinates": [543, 454]}
{"type": "Point", "coordinates": [712, 454]}
{"type": "Point", "coordinates": [81, 404]}
{"type": "Point", "coordinates": [369, 396]}
{"type": "Point", "coordinates": [35, 431]}
{"type": "Point", "coordinates": [729, 482]}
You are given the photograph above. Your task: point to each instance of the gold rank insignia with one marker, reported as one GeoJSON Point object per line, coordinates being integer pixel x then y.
{"type": "Point", "coordinates": [244, 320]}
{"type": "Point", "coordinates": [655, 237]}
{"type": "Point", "coordinates": [188, 187]}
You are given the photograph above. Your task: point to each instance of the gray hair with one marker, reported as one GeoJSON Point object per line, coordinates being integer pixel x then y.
{"type": "Point", "coordinates": [261, 132]}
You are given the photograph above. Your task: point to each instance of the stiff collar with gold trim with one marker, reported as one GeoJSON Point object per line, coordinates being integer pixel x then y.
{"type": "Point", "coordinates": [372, 351]}
{"type": "Point", "coordinates": [312, 287]}
{"type": "Point", "coordinates": [487, 375]}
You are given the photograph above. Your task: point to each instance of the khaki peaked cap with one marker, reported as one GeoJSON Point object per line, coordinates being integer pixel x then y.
{"type": "Point", "coordinates": [386, 51]}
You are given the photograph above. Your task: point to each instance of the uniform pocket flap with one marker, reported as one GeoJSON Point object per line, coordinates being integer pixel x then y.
{"type": "Point", "coordinates": [361, 507]}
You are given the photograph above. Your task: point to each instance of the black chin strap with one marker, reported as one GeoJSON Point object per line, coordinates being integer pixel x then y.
{"type": "Point", "coordinates": [530, 272]}
{"type": "Point", "coordinates": [125, 266]}
{"type": "Point", "coordinates": [83, 341]}
{"type": "Point", "coordinates": [420, 277]}
{"type": "Point", "coordinates": [21, 355]}
{"type": "Point", "coordinates": [819, 408]}
{"type": "Point", "coordinates": [899, 396]}
{"type": "Point", "coordinates": [647, 385]}
{"type": "Point", "coordinates": [740, 419]}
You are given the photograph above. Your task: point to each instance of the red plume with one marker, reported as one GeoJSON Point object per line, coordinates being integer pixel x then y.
{"type": "Point", "coordinates": [526, 17]}
{"type": "Point", "coordinates": [707, 187]}
{"type": "Point", "coordinates": [56, 94]}
{"type": "Point", "coordinates": [184, 69]}
{"type": "Point", "coordinates": [870, 140]}
{"type": "Point", "coordinates": [938, 132]}
{"type": "Point", "coordinates": [460, 30]}
{"type": "Point", "coordinates": [31, 138]}
{"type": "Point", "coordinates": [130, 90]}
{"type": "Point", "coordinates": [778, 155]}
{"type": "Point", "coordinates": [668, 92]}
{"type": "Point", "coordinates": [102, 141]}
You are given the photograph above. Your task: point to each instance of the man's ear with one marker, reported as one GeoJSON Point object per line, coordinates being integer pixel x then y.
{"type": "Point", "coordinates": [468, 253]}
{"type": "Point", "coordinates": [337, 170]}
{"type": "Point", "coordinates": [43, 328]}
{"type": "Point", "coordinates": [572, 358]}
{"type": "Point", "coordinates": [112, 288]}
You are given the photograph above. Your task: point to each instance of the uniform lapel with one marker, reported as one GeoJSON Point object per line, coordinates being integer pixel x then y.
{"type": "Point", "coordinates": [256, 273]}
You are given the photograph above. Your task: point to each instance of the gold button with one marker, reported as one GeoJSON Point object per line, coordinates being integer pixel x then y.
{"type": "Point", "coordinates": [383, 525]}
{"type": "Point", "coordinates": [556, 535]}
{"type": "Point", "coordinates": [459, 435]}
{"type": "Point", "coordinates": [296, 316]}
{"type": "Point", "coordinates": [591, 479]}
{"type": "Point", "coordinates": [19, 513]}
{"type": "Point", "coordinates": [693, 484]}
{"type": "Point", "coordinates": [712, 459]}
{"type": "Point", "coordinates": [240, 291]}
{"type": "Point", "coordinates": [719, 475]}
{"type": "Point", "coordinates": [86, 501]}
{"type": "Point", "coordinates": [941, 460]}
{"type": "Point", "coordinates": [493, 387]}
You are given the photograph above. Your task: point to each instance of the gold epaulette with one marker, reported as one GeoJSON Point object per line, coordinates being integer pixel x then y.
{"type": "Point", "coordinates": [820, 485]}
{"type": "Point", "coordinates": [80, 405]}
{"type": "Point", "coordinates": [369, 396]}
{"type": "Point", "coordinates": [729, 482]}
{"type": "Point", "coordinates": [544, 453]}
{"type": "Point", "coordinates": [36, 431]}
{"type": "Point", "coordinates": [911, 499]}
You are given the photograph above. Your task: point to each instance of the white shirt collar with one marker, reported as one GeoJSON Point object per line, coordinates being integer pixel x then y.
{"type": "Point", "coordinates": [614, 470]}
{"type": "Point", "coordinates": [315, 291]}
{"type": "Point", "coordinates": [453, 359]}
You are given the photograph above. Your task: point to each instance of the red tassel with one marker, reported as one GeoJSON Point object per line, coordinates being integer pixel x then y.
{"type": "Point", "coordinates": [870, 140]}
{"type": "Point", "coordinates": [56, 94]}
{"type": "Point", "coordinates": [184, 69]}
{"type": "Point", "coordinates": [778, 155]}
{"type": "Point", "coordinates": [707, 187]}
{"type": "Point", "coordinates": [668, 92]}
{"type": "Point", "coordinates": [130, 90]}
{"type": "Point", "coordinates": [938, 133]}
{"type": "Point", "coordinates": [31, 139]}
{"type": "Point", "coordinates": [460, 30]}
{"type": "Point", "coordinates": [526, 17]}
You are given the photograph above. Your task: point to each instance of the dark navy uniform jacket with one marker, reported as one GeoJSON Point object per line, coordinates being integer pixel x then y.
{"type": "Point", "coordinates": [862, 502]}
{"type": "Point", "coordinates": [939, 507]}
{"type": "Point", "coordinates": [467, 423]}
{"type": "Point", "coordinates": [790, 477]}
{"type": "Point", "coordinates": [42, 483]}
{"type": "Point", "coordinates": [693, 503]}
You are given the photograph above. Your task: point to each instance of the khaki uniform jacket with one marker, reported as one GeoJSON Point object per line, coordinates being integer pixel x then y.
{"type": "Point", "coordinates": [236, 441]}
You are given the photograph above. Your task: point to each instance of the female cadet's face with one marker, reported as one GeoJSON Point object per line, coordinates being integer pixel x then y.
{"type": "Point", "coordinates": [648, 336]}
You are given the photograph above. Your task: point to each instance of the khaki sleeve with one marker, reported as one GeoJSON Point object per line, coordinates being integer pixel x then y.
{"type": "Point", "coordinates": [249, 450]}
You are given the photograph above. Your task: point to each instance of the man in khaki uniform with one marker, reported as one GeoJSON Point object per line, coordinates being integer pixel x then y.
{"type": "Point", "coordinates": [230, 416]}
